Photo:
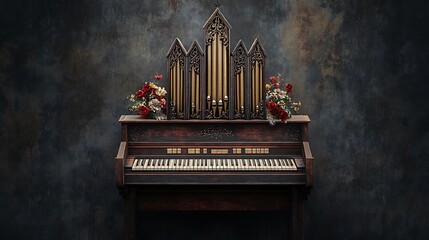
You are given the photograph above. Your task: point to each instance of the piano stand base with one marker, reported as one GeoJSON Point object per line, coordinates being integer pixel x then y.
{"type": "Point", "coordinates": [140, 199]}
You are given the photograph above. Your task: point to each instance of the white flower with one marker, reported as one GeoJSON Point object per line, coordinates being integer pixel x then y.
{"type": "Point", "coordinates": [161, 91]}
{"type": "Point", "coordinates": [154, 102]}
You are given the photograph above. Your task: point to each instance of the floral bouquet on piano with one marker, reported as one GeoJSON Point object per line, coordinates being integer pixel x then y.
{"type": "Point", "coordinates": [149, 101]}
{"type": "Point", "coordinates": [279, 103]}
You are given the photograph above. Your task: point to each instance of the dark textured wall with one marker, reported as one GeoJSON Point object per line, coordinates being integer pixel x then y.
{"type": "Point", "coordinates": [358, 67]}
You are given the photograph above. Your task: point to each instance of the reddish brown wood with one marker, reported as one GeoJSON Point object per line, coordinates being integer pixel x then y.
{"type": "Point", "coordinates": [297, 214]}
{"type": "Point", "coordinates": [219, 190]}
{"type": "Point", "coordinates": [139, 119]}
{"type": "Point", "coordinates": [308, 164]}
{"type": "Point", "coordinates": [213, 201]}
{"type": "Point", "coordinates": [119, 164]}
{"type": "Point", "coordinates": [129, 213]}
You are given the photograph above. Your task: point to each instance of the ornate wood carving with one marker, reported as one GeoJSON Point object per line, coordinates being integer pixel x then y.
{"type": "Point", "coordinates": [216, 133]}
{"type": "Point", "coordinates": [195, 54]}
{"type": "Point", "coordinates": [217, 24]}
{"type": "Point", "coordinates": [239, 57]}
{"type": "Point", "coordinates": [257, 54]}
{"type": "Point", "coordinates": [177, 54]}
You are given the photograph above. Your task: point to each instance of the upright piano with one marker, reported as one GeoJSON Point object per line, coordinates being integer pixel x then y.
{"type": "Point", "coordinates": [214, 165]}
{"type": "Point", "coordinates": [216, 151]}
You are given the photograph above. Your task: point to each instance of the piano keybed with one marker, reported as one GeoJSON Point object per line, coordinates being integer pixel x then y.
{"type": "Point", "coordinates": [217, 164]}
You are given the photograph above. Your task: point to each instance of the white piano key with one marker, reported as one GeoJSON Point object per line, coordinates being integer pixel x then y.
{"type": "Point", "coordinates": [191, 164]}
{"type": "Point", "coordinates": [228, 165]}
{"type": "Point", "coordinates": [184, 165]}
{"type": "Point", "coordinates": [156, 168]}
{"type": "Point", "coordinates": [212, 164]}
{"type": "Point", "coordinates": [181, 162]}
{"type": "Point", "coordinates": [233, 164]}
{"type": "Point", "coordinates": [171, 165]}
{"type": "Point", "coordinates": [197, 164]}
{"type": "Point", "coordinates": [293, 164]}
{"type": "Point", "coordinates": [246, 164]}
{"type": "Point", "coordinates": [277, 165]}
{"type": "Point", "coordinates": [207, 165]}
{"type": "Point", "coordinates": [282, 166]}
{"type": "Point", "coordinates": [160, 163]}
{"type": "Point", "coordinates": [253, 165]}
{"type": "Point", "coordinates": [285, 166]}
{"type": "Point", "coordinates": [265, 162]}
{"type": "Point", "coordinates": [288, 164]}
{"type": "Point", "coordinates": [258, 165]}
{"type": "Point", "coordinates": [166, 164]}
{"type": "Point", "coordinates": [250, 163]}
{"type": "Point", "coordinates": [149, 165]}
{"type": "Point", "coordinates": [240, 164]}
{"type": "Point", "coordinates": [135, 164]}
{"type": "Point", "coordinates": [140, 164]}
{"type": "Point", "coordinates": [271, 165]}
{"type": "Point", "coordinates": [177, 165]}
{"type": "Point", "coordinates": [202, 165]}
{"type": "Point", "coordinates": [143, 164]}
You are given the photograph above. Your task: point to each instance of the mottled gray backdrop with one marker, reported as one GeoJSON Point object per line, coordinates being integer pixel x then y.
{"type": "Point", "coordinates": [358, 67]}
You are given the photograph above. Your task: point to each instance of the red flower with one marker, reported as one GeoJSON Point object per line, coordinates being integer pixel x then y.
{"type": "Point", "coordinates": [139, 94]}
{"type": "Point", "coordinates": [276, 85]}
{"type": "Point", "coordinates": [271, 105]}
{"type": "Point", "coordinates": [273, 79]}
{"type": "Point", "coordinates": [283, 116]}
{"type": "Point", "coordinates": [288, 88]}
{"type": "Point", "coordinates": [144, 111]}
{"type": "Point", "coordinates": [145, 89]}
{"type": "Point", "coordinates": [158, 76]}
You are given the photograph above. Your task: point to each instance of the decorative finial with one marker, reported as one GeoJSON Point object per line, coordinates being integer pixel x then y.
{"type": "Point", "coordinates": [217, 4]}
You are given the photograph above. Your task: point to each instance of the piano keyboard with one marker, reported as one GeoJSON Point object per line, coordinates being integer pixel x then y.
{"type": "Point", "coordinates": [221, 164]}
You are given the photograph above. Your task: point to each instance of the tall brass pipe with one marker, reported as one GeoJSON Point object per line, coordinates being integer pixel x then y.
{"type": "Point", "coordinates": [219, 69]}
{"type": "Point", "coordinates": [257, 84]}
{"type": "Point", "coordinates": [253, 90]}
{"type": "Point", "coordinates": [192, 91]}
{"type": "Point", "coordinates": [241, 88]}
{"type": "Point", "coordinates": [225, 76]}
{"type": "Point", "coordinates": [173, 83]}
{"type": "Point", "coordinates": [213, 66]}
{"type": "Point", "coordinates": [178, 86]}
{"type": "Point", "coordinates": [236, 94]}
{"type": "Point", "coordinates": [261, 84]}
{"type": "Point", "coordinates": [180, 89]}
{"type": "Point", "coordinates": [176, 83]}
{"type": "Point", "coordinates": [209, 71]}
{"type": "Point", "coordinates": [197, 91]}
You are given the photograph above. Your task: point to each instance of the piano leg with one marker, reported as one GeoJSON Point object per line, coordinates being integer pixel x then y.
{"type": "Point", "coordinates": [297, 214]}
{"type": "Point", "coordinates": [129, 195]}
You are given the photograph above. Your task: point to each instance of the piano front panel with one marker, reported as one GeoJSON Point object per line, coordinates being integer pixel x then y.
{"type": "Point", "coordinates": [191, 132]}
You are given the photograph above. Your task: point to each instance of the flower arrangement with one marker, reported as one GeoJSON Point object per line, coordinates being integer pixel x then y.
{"type": "Point", "coordinates": [149, 101]}
{"type": "Point", "coordinates": [279, 103]}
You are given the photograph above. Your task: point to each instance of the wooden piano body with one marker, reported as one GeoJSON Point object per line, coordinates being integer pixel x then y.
{"type": "Point", "coordinates": [268, 185]}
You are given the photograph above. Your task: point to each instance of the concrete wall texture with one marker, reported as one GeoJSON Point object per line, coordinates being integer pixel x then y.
{"type": "Point", "coordinates": [358, 67]}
